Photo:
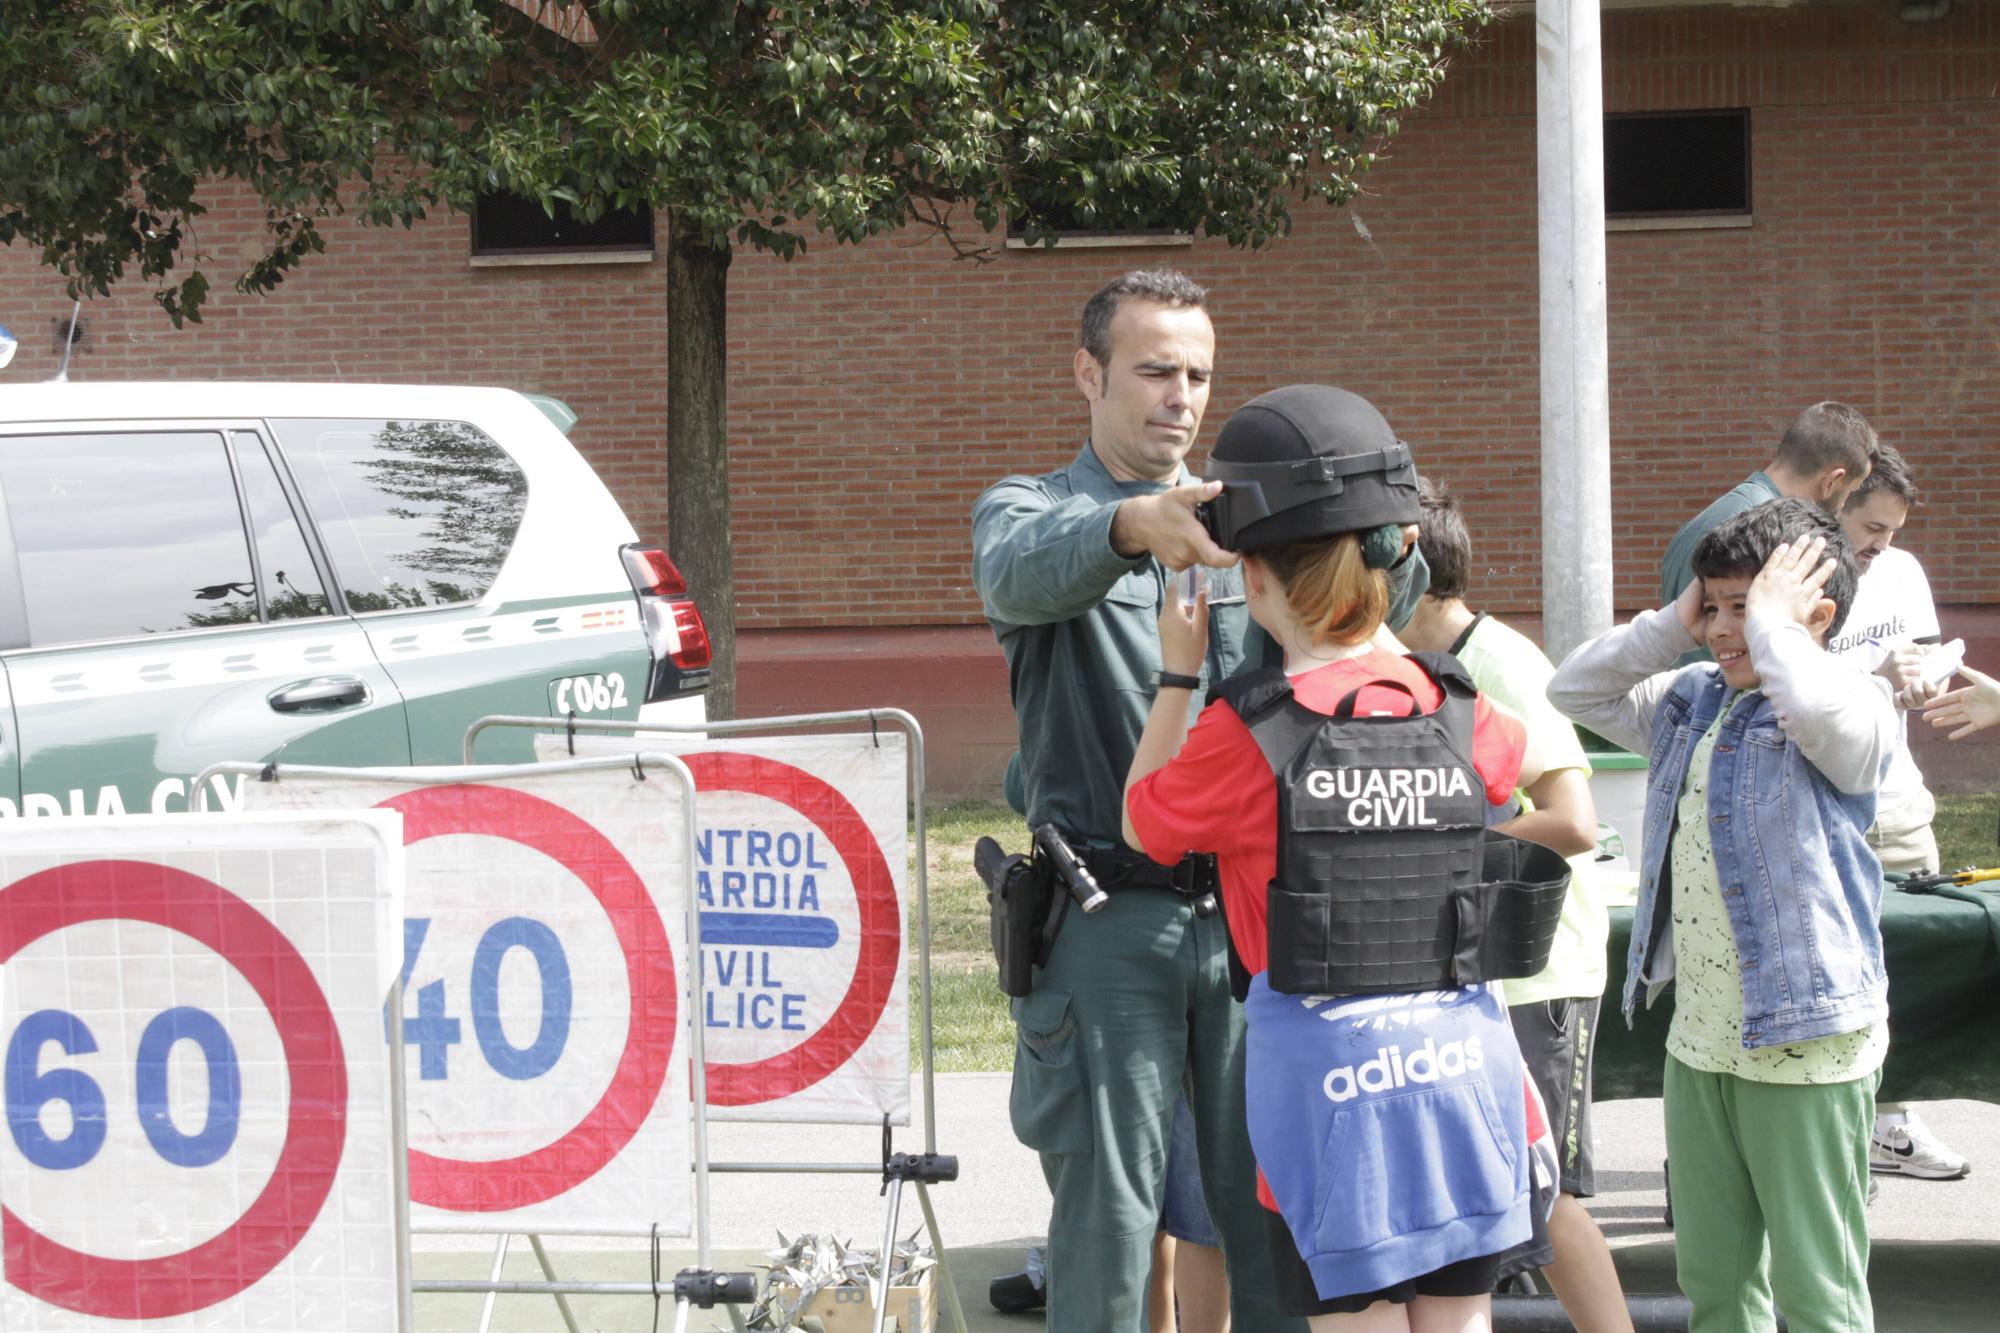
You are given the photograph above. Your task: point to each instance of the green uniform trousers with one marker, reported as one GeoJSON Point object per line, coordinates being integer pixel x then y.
{"type": "Point", "coordinates": [1134, 1005]}
{"type": "Point", "coordinates": [1769, 1187]}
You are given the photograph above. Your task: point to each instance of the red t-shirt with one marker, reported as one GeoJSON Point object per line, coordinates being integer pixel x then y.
{"type": "Point", "coordinates": [1219, 795]}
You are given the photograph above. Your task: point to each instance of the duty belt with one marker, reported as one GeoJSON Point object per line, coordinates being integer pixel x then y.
{"type": "Point", "coordinates": [1193, 877]}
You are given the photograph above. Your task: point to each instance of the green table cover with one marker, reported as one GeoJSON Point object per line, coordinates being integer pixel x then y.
{"type": "Point", "coordinates": [1944, 1003]}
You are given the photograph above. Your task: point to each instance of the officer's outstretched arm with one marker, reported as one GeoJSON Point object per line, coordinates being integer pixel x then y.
{"type": "Point", "coordinates": [1037, 558]}
{"type": "Point", "coordinates": [1165, 527]}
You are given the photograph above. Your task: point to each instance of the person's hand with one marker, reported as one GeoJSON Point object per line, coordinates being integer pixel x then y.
{"type": "Point", "coordinates": [1969, 708]}
{"type": "Point", "coordinates": [1165, 526]}
{"type": "Point", "coordinates": [1183, 634]}
{"type": "Point", "coordinates": [1789, 583]}
{"type": "Point", "coordinates": [1687, 607]}
{"type": "Point", "coordinates": [1903, 669]}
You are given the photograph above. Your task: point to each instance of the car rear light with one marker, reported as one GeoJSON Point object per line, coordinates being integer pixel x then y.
{"type": "Point", "coordinates": [652, 573]}
{"type": "Point", "coordinates": [694, 652]}
{"type": "Point", "coordinates": [675, 633]}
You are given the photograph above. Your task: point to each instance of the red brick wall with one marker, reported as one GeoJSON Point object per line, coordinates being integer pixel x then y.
{"type": "Point", "coordinates": [876, 389]}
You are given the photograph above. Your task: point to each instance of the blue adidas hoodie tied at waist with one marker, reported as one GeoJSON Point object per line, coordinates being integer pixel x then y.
{"type": "Point", "coordinates": [1791, 795]}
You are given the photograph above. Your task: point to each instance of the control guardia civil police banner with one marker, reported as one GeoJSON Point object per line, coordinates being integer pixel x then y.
{"type": "Point", "coordinates": [542, 951]}
{"type": "Point", "coordinates": [199, 1123]}
{"type": "Point", "coordinates": [802, 870]}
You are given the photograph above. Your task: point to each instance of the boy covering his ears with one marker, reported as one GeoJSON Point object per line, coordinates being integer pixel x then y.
{"type": "Point", "coordinates": [1759, 899]}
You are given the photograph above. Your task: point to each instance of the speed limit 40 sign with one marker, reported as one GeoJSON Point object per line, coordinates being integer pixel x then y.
{"type": "Point", "coordinates": [541, 955]}
{"type": "Point", "coordinates": [198, 1121]}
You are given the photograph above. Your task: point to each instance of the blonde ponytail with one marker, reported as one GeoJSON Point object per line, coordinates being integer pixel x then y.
{"type": "Point", "coordinates": [1330, 588]}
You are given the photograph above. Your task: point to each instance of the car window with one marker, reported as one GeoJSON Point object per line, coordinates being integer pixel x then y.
{"type": "Point", "coordinates": [413, 513]}
{"type": "Point", "coordinates": [124, 534]}
{"type": "Point", "coordinates": [292, 587]}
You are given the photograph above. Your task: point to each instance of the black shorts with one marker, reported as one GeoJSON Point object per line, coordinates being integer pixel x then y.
{"type": "Point", "coordinates": [1557, 1039]}
{"type": "Point", "coordinates": [1298, 1296]}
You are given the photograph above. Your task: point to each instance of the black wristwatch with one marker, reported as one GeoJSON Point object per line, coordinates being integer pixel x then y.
{"type": "Point", "coordinates": [1174, 680]}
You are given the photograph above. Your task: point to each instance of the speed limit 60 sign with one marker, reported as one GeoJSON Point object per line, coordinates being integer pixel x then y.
{"type": "Point", "coordinates": [198, 1122]}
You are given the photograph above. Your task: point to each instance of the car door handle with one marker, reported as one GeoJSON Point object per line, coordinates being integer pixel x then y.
{"type": "Point", "coordinates": [320, 693]}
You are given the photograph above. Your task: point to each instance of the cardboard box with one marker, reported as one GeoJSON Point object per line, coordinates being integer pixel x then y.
{"type": "Point", "coordinates": [852, 1309]}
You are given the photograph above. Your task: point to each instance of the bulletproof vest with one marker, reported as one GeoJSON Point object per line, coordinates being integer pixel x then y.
{"type": "Point", "coordinates": [1387, 880]}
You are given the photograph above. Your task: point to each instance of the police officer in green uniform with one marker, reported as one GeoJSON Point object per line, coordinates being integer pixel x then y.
{"type": "Point", "coordinates": [1134, 1002]}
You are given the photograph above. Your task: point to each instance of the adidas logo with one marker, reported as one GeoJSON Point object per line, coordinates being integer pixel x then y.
{"type": "Point", "coordinates": [1392, 1069]}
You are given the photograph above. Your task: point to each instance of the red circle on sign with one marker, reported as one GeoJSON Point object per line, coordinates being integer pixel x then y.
{"type": "Point", "coordinates": [881, 928]}
{"type": "Point", "coordinates": [534, 1177]}
{"type": "Point", "coordinates": [315, 1131]}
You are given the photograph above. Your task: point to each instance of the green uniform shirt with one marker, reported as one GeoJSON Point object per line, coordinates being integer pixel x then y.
{"type": "Point", "coordinates": [1079, 624]}
{"type": "Point", "coordinates": [1675, 568]}
{"type": "Point", "coordinates": [1707, 1028]}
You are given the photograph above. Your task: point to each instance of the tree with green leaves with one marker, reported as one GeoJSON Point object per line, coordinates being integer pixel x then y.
{"type": "Point", "coordinates": [769, 125]}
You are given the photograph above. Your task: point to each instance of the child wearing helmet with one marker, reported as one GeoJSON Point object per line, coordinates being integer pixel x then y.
{"type": "Point", "coordinates": [1344, 797]}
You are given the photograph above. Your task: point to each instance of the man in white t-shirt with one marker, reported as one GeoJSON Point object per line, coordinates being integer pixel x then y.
{"type": "Point", "coordinates": [1888, 630]}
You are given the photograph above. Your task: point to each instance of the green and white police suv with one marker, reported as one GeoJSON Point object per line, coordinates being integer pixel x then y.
{"type": "Point", "coordinates": [310, 573]}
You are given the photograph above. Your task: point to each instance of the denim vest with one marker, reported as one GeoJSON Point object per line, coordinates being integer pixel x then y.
{"type": "Point", "coordinates": [1802, 887]}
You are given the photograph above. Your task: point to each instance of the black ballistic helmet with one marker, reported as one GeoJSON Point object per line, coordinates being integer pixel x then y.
{"type": "Point", "coordinates": [1303, 462]}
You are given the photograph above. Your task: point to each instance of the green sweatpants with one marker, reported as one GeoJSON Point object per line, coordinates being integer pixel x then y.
{"type": "Point", "coordinates": [1134, 1005]}
{"type": "Point", "coordinates": [1769, 1186]}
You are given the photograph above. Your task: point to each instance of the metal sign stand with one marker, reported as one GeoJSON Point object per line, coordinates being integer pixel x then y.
{"type": "Point", "coordinates": [896, 1169]}
{"type": "Point", "coordinates": [698, 1286]}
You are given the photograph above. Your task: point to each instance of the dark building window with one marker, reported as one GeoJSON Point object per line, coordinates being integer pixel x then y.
{"type": "Point", "coordinates": [1120, 219]}
{"type": "Point", "coordinates": [508, 224]}
{"type": "Point", "coordinates": [1677, 164]}
{"type": "Point", "coordinates": [1069, 227]}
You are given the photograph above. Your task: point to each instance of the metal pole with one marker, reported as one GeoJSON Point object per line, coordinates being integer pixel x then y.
{"type": "Point", "coordinates": [924, 937]}
{"type": "Point", "coordinates": [549, 1272]}
{"type": "Point", "coordinates": [493, 1282]}
{"type": "Point", "coordinates": [697, 1017]}
{"type": "Point", "coordinates": [888, 1253]}
{"type": "Point", "coordinates": [399, 1160]}
{"type": "Point", "coordinates": [943, 1278]}
{"type": "Point", "coordinates": [1576, 395]}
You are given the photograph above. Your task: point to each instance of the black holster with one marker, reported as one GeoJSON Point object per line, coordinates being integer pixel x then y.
{"type": "Point", "coordinates": [1025, 912]}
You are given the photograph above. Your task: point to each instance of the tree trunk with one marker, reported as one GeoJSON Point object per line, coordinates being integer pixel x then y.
{"type": "Point", "coordinates": [698, 446]}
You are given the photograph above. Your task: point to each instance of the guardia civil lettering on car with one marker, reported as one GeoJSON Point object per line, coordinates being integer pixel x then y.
{"type": "Point", "coordinates": [310, 573]}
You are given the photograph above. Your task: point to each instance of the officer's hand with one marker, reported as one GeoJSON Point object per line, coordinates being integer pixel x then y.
{"type": "Point", "coordinates": [1183, 633]}
{"type": "Point", "coordinates": [1165, 526]}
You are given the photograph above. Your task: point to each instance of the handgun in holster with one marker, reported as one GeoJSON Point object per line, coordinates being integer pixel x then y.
{"type": "Point", "coordinates": [1026, 910]}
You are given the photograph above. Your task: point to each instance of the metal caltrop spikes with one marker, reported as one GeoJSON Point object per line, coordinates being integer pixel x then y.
{"type": "Point", "coordinates": [800, 1270]}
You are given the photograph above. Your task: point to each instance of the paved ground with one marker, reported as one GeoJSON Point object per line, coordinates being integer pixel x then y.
{"type": "Point", "coordinates": [1937, 1244]}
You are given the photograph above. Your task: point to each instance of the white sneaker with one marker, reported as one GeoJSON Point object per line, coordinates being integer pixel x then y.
{"type": "Point", "coordinates": [1909, 1148]}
